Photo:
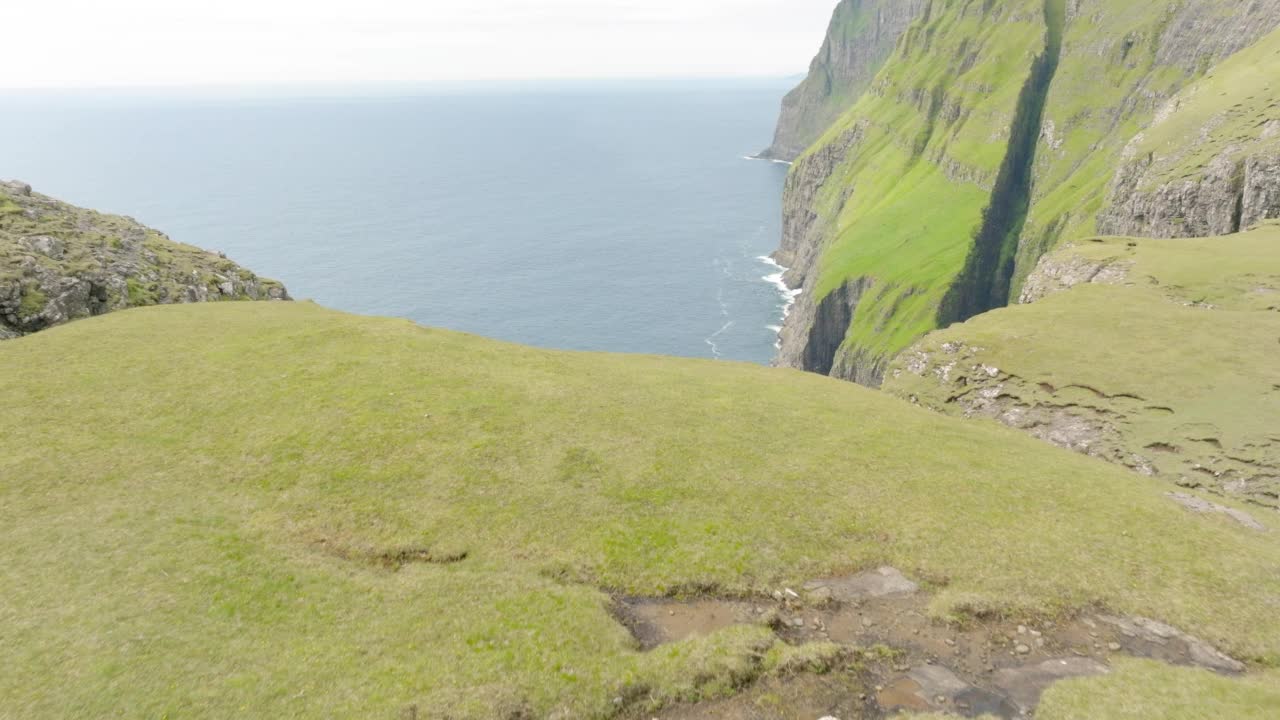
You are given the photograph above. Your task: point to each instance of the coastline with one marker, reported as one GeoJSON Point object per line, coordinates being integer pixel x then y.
{"type": "Point", "coordinates": [788, 293]}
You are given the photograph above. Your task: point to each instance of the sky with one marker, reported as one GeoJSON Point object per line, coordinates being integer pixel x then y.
{"type": "Point", "coordinates": [148, 43]}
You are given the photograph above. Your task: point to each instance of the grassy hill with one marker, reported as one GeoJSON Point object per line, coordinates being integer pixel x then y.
{"type": "Point", "coordinates": [276, 510]}
{"type": "Point", "coordinates": [1157, 354]}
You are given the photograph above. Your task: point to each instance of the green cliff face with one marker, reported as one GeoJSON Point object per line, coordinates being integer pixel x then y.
{"type": "Point", "coordinates": [59, 262]}
{"type": "Point", "coordinates": [994, 133]}
{"type": "Point", "coordinates": [861, 37]}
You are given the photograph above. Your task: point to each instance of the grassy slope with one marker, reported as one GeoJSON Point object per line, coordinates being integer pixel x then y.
{"type": "Point", "coordinates": [195, 494]}
{"type": "Point", "coordinates": [1110, 62]}
{"type": "Point", "coordinates": [1216, 369]}
{"type": "Point", "coordinates": [1140, 690]}
{"type": "Point", "coordinates": [912, 234]}
{"type": "Point", "coordinates": [1230, 108]}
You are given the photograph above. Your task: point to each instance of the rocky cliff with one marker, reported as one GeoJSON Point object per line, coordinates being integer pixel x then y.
{"type": "Point", "coordinates": [861, 37]}
{"type": "Point", "coordinates": [1209, 164]}
{"type": "Point", "coordinates": [59, 262]}
{"type": "Point", "coordinates": [996, 132]}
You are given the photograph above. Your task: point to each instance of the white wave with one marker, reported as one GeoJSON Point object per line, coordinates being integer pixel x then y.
{"type": "Point", "coordinates": [711, 339]}
{"type": "Point", "coordinates": [788, 294]}
{"type": "Point", "coordinates": [772, 160]}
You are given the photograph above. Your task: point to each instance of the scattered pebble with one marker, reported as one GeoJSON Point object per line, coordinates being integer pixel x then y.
{"type": "Point", "coordinates": [1023, 649]}
{"type": "Point", "coordinates": [1114, 647]}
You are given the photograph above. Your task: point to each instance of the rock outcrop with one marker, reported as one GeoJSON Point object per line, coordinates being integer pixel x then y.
{"type": "Point", "coordinates": [59, 263]}
{"type": "Point", "coordinates": [860, 39]}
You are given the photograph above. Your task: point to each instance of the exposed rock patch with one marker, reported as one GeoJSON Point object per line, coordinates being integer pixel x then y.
{"type": "Point", "coordinates": [993, 667]}
{"type": "Point", "coordinates": [1065, 270]}
{"type": "Point", "coordinates": [1165, 642]}
{"type": "Point", "coordinates": [1200, 505]}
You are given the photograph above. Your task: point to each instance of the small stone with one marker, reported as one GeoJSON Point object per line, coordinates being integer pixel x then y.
{"type": "Point", "coordinates": [1023, 649]}
{"type": "Point", "coordinates": [1036, 633]}
{"type": "Point", "coordinates": [951, 642]}
{"type": "Point", "coordinates": [867, 622]}
{"type": "Point", "coordinates": [1022, 629]}
{"type": "Point", "coordinates": [798, 622]}
{"type": "Point", "coordinates": [1114, 647]}
{"type": "Point", "coordinates": [1040, 642]}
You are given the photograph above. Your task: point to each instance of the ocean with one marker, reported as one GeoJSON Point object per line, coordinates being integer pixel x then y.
{"type": "Point", "coordinates": [616, 217]}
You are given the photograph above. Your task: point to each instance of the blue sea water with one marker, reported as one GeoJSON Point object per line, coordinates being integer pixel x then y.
{"type": "Point", "coordinates": [594, 217]}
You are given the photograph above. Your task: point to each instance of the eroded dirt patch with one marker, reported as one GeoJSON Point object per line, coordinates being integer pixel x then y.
{"type": "Point", "coordinates": [986, 666]}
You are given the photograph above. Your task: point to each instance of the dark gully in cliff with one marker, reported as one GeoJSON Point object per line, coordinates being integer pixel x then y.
{"type": "Point", "coordinates": [985, 282]}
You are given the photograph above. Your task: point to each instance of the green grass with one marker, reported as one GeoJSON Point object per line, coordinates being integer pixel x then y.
{"type": "Point", "coordinates": [194, 494]}
{"type": "Point", "coordinates": [1164, 370]}
{"type": "Point", "coordinates": [1142, 690]}
{"type": "Point", "coordinates": [33, 301]}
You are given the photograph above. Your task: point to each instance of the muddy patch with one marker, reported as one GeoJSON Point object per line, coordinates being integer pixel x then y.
{"type": "Point", "coordinates": [984, 667]}
{"type": "Point", "coordinates": [658, 622]}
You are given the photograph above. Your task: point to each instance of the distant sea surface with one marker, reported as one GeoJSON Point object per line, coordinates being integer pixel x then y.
{"type": "Point", "coordinates": [592, 217]}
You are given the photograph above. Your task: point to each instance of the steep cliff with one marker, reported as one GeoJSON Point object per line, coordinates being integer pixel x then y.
{"type": "Point", "coordinates": [1156, 354]}
{"type": "Point", "coordinates": [1209, 164]}
{"type": "Point", "coordinates": [59, 262]}
{"type": "Point", "coordinates": [994, 133]}
{"type": "Point", "coordinates": [1123, 63]}
{"type": "Point", "coordinates": [860, 39]}
{"type": "Point", "coordinates": [879, 215]}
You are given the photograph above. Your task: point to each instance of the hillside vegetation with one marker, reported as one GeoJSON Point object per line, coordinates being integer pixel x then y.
{"type": "Point", "coordinates": [1156, 354]}
{"type": "Point", "coordinates": [995, 133]}
{"type": "Point", "coordinates": [273, 509]}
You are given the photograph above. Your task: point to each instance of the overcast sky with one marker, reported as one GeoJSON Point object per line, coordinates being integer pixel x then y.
{"type": "Point", "coordinates": [104, 43]}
